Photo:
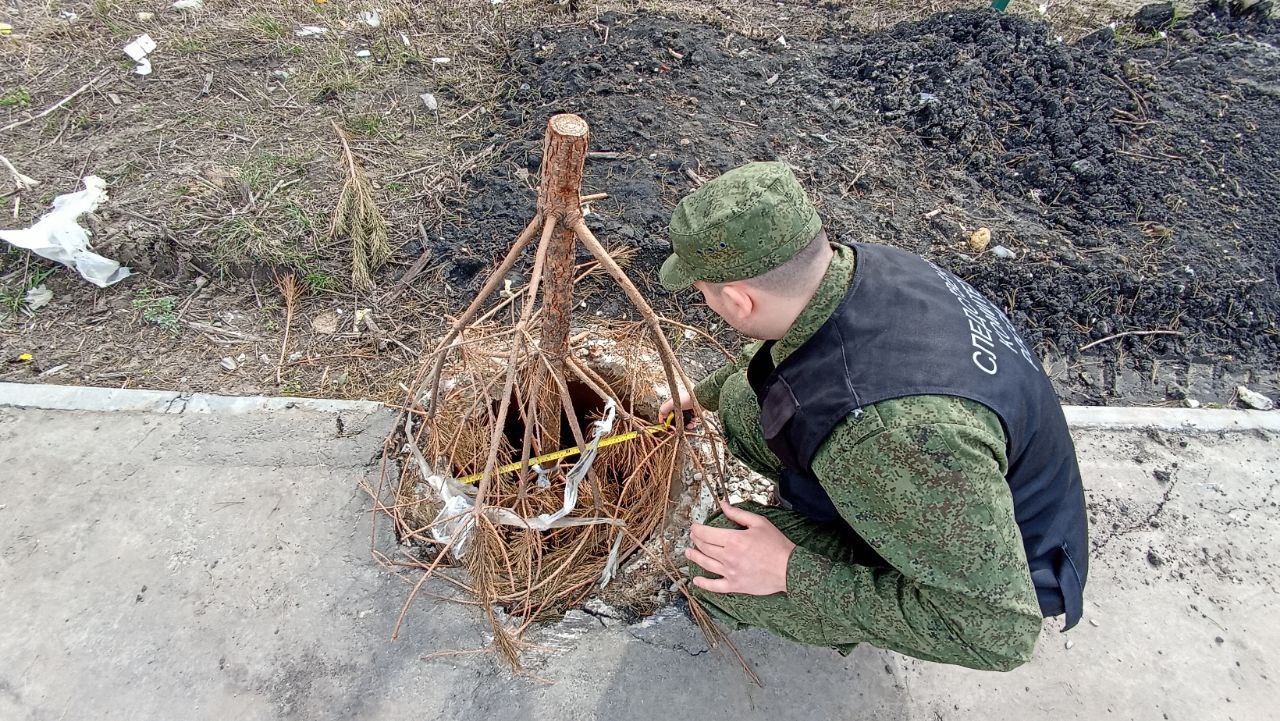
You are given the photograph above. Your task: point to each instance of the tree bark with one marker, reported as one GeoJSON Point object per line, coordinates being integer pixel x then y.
{"type": "Point", "coordinates": [564, 150]}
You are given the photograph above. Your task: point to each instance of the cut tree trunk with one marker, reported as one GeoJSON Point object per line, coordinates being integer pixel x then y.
{"type": "Point", "coordinates": [564, 150]}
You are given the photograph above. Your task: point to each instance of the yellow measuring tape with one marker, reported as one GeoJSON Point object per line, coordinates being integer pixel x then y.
{"type": "Point", "coordinates": [566, 452]}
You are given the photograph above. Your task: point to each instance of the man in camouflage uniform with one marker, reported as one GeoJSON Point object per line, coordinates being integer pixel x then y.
{"type": "Point", "coordinates": [923, 551]}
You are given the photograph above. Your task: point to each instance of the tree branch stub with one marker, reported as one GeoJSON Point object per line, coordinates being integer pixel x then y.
{"type": "Point", "coordinates": [564, 152]}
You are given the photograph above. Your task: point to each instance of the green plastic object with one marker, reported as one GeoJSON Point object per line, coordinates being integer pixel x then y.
{"type": "Point", "coordinates": [999, 5]}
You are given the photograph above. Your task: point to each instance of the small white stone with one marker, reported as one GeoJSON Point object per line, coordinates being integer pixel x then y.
{"type": "Point", "coordinates": [1069, 644]}
{"type": "Point", "coordinates": [1254, 400]}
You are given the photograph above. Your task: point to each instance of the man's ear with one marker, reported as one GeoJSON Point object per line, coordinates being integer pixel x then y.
{"type": "Point", "coordinates": [737, 298]}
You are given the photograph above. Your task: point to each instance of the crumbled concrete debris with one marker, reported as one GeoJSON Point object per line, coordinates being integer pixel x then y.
{"type": "Point", "coordinates": [1254, 399]}
{"type": "Point", "coordinates": [607, 614]}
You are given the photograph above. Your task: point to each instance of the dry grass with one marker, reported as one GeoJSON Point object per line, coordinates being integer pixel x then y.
{"type": "Point", "coordinates": [290, 293]}
{"type": "Point", "coordinates": [221, 165]}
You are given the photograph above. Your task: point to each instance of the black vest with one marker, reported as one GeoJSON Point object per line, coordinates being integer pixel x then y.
{"type": "Point", "coordinates": [907, 328]}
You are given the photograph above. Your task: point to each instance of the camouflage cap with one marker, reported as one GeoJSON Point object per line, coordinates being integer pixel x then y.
{"type": "Point", "coordinates": [740, 225]}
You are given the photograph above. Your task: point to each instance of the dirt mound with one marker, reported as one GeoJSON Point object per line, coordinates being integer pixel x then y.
{"type": "Point", "coordinates": [1131, 174]}
{"type": "Point", "coordinates": [1000, 97]}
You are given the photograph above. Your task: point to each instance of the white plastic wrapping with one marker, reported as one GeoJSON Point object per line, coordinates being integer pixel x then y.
{"type": "Point", "coordinates": [58, 236]}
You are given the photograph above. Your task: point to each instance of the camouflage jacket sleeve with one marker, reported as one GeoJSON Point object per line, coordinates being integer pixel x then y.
{"type": "Point", "coordinates": [922, 480]}
{"type": "Point", "coordinates": [708, 389]}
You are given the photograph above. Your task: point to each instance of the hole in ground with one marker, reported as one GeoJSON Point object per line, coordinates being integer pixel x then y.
{"type": "Point", "coordinates": [587, 407]}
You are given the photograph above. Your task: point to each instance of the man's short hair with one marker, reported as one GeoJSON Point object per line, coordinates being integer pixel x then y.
{"type": "Point", "coordinates": [796, 272]}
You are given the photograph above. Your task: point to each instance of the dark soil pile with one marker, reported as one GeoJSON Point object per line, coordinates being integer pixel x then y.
{"type": "Point", "coordinates": [994, 94]}
{"type": "Point", "coordinates": [1133, 176]}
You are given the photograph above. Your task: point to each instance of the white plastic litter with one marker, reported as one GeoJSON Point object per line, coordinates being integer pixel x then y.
{"type": "Point", "coordinates": [188, 4]}
{"type": "Point", "coordinates": [38, 297]}
{"type": "Point", "coordinates": [363, 53]}
{"type": "Point", "coordinates": [611, 563]}
{"type": "Point", "coordinates": [57, 236]}
{"type": "Point", "coordinates": [440, 61]}
{"type": "Point", "coordinates": [544, 475]}
{"type": "Point", "coordinates": [454, 522]}
{"type": "Point", "coordinates": [307, 31]}
{"type": "Point", "coordinates": [371, 18]}
{"type": "Point", "coordinates": [1254, 399]}
{"type": "Point", "coordinates": [138, 49]}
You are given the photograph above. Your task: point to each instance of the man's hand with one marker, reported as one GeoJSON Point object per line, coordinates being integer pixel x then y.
{"type": "Point", "coordinates": [669, 407]}
{"type": "Point", "coordinates": [751, 561]}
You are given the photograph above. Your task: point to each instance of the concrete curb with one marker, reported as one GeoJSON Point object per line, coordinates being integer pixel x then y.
{"type": "Point", "coordinates": [1207, 420]}
{"type": "Point", "coordinates": [84, 398]}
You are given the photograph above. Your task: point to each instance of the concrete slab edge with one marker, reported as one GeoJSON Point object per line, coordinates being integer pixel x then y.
{"type": "Point", "coordinates": [1199, 420]}
{"type": "Point", "coordinates": [85, 398]}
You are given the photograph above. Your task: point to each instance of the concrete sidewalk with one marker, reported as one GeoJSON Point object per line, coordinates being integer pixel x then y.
{"type": "Point", "coordinates": [198, 558]}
